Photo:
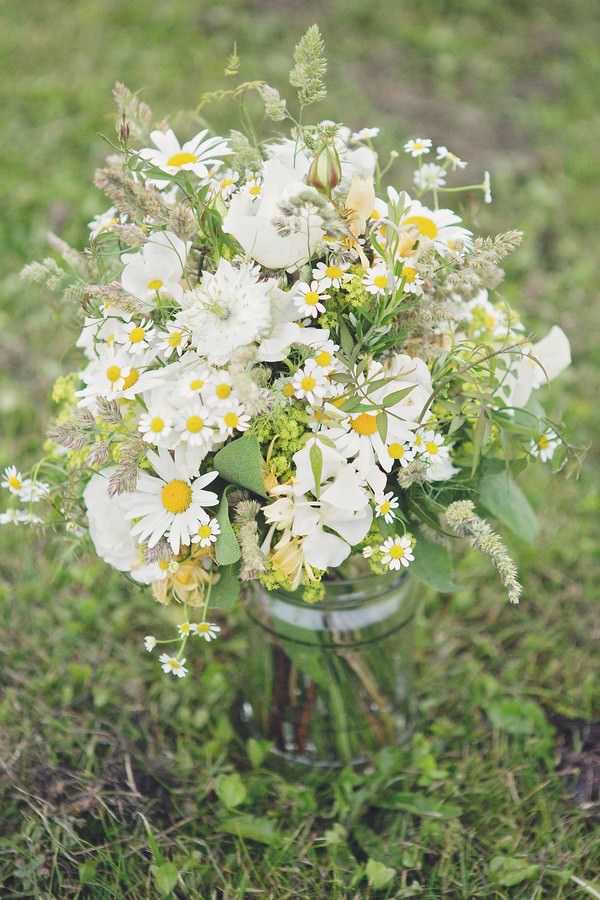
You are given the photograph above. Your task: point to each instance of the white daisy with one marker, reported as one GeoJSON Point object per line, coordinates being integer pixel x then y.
{"type": "Point", "coordinates": [385, 505]}
{"type": "Point", "coordinates": [13, 481]}
{"type": "Point", "coordinates": [225, 184]}
{"type": "Point", "coordinates": [429, 177]}
{"type": "Point", "coordinates": [156, 428]}
{"type": "Point", "coordinates": [185, 629]}
{"type": "Point", "coordinates": [231, 417]}
{"type": "Point", "coordinates": [401, 453]}
{"type": "Point", "coordinates": [544, 445]}
{"type": "Point", "coordinates": [452, 159]}
{"type": "Point", "coordinates": [431, 445]}
{"type": "Point", "coordinates": [175, 339]}
{"type": "Point", "coordinates": [149, 642]}
{"type": "Point", "coordinates": [324, 358]}
{"type": "Point", "coordinates": [136, 338]}
{"type": "Point", "coordinates": [104, 222]}
{"type": "Point", "coordinates": [219, 389]}
{"type": "Point", "coordinates": [157, 269]}
{"type": "Point", "coordinates": [169, 504]}
{"type": "Point", "coordinates": [172, 665]}
{"type": "Point", "coordinates": [25, 489]}
{"type": "Point", "coordinates": [207, 533]}
{"type": "Point", "coordinates": [207, 630]}
{"type": "Point", "coordinates": [365, 134]}
{"type": "Point", "coordinates": [196, 155]}
{"type": "Point", "coordinates": [417, 146]}
{"type": "Point", "coordinates": [193, 381]}
{"type": "Point", "coordinates": [308, 298]}
{"type": "Point", "coordinates": [330, 275]}
{"type": "Point", "coordinates": [112, 375]}
{"type": "Point", "coordinates": [440, 226]}
{"type": "Point", "coordinates": [196, 425]}
{"type": "Point", "coordinates": [253, 187]}
{"type": "Point", "coordinates": [397, 552]}
{"type": "Point", "coordinates": [413, 283]}
{"type": "Point", "coordinates": [377, 280]}
{"type": "Point", "coordinates": [310, 383]}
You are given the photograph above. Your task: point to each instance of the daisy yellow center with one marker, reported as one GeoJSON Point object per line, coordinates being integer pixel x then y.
{"type": "Point", "coordinates": [15, 482]}
{"type": "Point", "coordinates": [397, 552]}
{"type": "Point", "coordinates": [155, 284]}
{"type": "Point", "coordinates": [195, 424]}
{"type": "Point", "coordinates": [311, 298]}
{"type": "Point", "coordinates": [323, 358]}
{"type": "Point", "coordinates": [418, 145]}
{"type": "Point", "coordinates": [157, 424]}
{"type": "Point", "coordinates": [424, 226]}
{"type": "Point", "coordinates": [374, 215]}
{"type": "Point", "coordinates": [365, 424]}
{"type": "Point", "coordinates": [227, 182]}
{"type": "Point", "coordinates": [380, 281]}
{"type": "Point", "coordinates": [185, 628]}
{"type": "Point", "coordinates": [409, 274]}
{"type": "Point", "coordinates": [231, 419]}
{"type": "Point", "coordinates": [205, 531]}
{"type": "Point", "coordinates": [174, 663]}
{"type": "Point", "coordinates": [196, 384]}
{"type": "Point", "coordinates": [174, 338]}
{"type": "Point", "coordinates": [110, 339]}
{"type": "Point", "coordinates": [543, 442]}
{"type": "Point", "coordinates": [131, 379]}
{"type": "Point", "coordinates": [431, 447]}
{"type": "Point", "coordinates": [333, 272]}
{"type": "Point", "coordinates": [255, 190]}
{"type": "Point", "coordinates": [385, 507]}
{"type": "Point", "coordinates": [223, 391]}
{"type": "Point", "coordinates": [176, 496]}
{"type": "Point", "coordinates": [396, 451]}
{"type": "Point", "coordinates": [203, 627]}
{"type": "Point", "coordinates": [308, 383]}
{"type": "Point", "coordinates": [163, 565]}
{"type": "Point", "coordinates": [137, 334]}
{"type": "Point", "coordinates": [288, 390]}
{"type": "Point", "coordinates": [113, 373]}
{"type": "Point", "coordinates": [418, 440]}
{"type": "Point", "coordinates": [182, 159]}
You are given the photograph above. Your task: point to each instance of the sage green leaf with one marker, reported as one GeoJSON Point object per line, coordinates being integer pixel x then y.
{"type": "Point", "coordinates": [397, 396]}
{"type": "Point", "coordinates": [227, 549]}
{"type": "Point", "coordinates": [346, 339]}
{"type": "Point", "coordinates": [165, 878]}
{"type": "Point", "coordinates": [378, 874]}
{"type": "Point", "coordinates": [382, 425]}
{"type": "Point", "coordinates": [231, 790]}
{"type": "Point", "coordinates": [240, 462]}
{"type": "Point", "coordinates": [316, 464]}
{"type": "Point", "coordinates": [506, 501]}
{"type": "Point", "coordinates": [226, 592]}
{"type": "Point", "coordinates": [252, 828]}
{"type": "Point", "coordinates": [432, 566]}
{"type": "Point", "coordinates": [511, 870]}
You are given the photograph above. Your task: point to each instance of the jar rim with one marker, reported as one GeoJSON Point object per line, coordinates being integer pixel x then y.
{"type": "Point", "coordinates": [347, 590]}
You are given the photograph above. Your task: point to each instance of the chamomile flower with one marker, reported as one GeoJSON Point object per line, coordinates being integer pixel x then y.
{"type": "Point", "coordinates": [310, 383]}
{"type": "Point", "coordinates": [253, 187]}
{"type": "Point", "coordinates": [13, 481]}
{"type": "Point", "coordinates": [104, 222]}
{"type": "Point", "coordinates": [330, 275]}
{"type": "Point", "coordinates": [149, 642]}
{"type": "Point", "coordinates": [377, 280]}
{"type": "Point", "coordinates": [25, 489]}
{"type": "Point", "coordinates": [441, 226]}
{"type": "Point", "coordinates": [385, 506]}
{"type": "Point", "coordinates": [225, 184]}
{"type": "Point", "coordinates": [432, 446]}
{"type": "Point", "coordinates": [196, 425]}
{"type": "Point", "coordinates": [401, 453]}
{"type": "Point", "coordinates": [413, 283]}
{"type": "Point", "coordinates": [169, 504]}
{"type": "Point", "coordinates": [19, 517]}
{"type": "Point", "coordinates": [170, 664]}
{"type": "Point", "coordinates": [365, 134]}
{"type": "Point", "coordinates": [193, 381]}
{"type": "Point", "coordinates": [544, 445]}
{"type": "Point", "coordinates": [429, 177]}
{"type": "Point", "coordinates": [207, 533]}
{"type": "Point", "coordinates": [136, 338]}
{"type": "Point", "coordinates": [185, 629]}
{"type": "Point", "coordinates": [417, 146]}
{"type": "Point", "coordinates": [232, 418]}
{"type": "Point", "coordinates": [308, 298]}
{"type": "Point", "coordinates": [207, 630]}
{"type": "Point", "coordinates": [195, 156]}
{"type": "Point", "coordinates": [324, 357]}
{"type": "Point", "coordinates": [174, 340]}
{"type": "Point", "coordinates": [219, 388]}
{"type": "Point", "coordinates": [397, 552]}
{"type": "Point", "coordinates": [156, 428]}
{"type": "Point", "coordinates": [451, 158]}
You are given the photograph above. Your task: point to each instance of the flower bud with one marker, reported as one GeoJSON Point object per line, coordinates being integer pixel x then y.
{"type": "Point", "coordinates": [326, 169]}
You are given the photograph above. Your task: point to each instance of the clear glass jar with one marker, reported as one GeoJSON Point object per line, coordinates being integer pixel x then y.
{"type": "Point", "coordinates": [329, 683]}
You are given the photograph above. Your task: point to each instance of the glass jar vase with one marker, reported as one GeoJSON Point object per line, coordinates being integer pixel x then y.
{"type": "Point", "coordinates": [329, 683]}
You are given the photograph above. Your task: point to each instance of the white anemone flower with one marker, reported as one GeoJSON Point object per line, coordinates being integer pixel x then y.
{"type": "Point", "coordinates": [157, 269]}
{"type": "Point", "coordinates": [197, 155]}
{"type": "Point", "coordinates": [544, 361]}
{"type": "Point", "coordinates": [230, 308]}
{"type": "Point", "coordinates": [169, 504]}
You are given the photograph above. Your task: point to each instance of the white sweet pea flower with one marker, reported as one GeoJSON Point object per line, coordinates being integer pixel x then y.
{"type": "Point", "coordinates": [544, 362]}
{"type": "Point", "coordinates": [157, 269]}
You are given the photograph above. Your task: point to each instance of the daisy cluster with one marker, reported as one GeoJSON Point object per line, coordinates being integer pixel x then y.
{"type": "Point", "coordinates": [289, 367]}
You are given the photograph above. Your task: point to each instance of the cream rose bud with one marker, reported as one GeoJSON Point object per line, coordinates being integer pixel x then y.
{"type": "Point", "coordinates": [326, 169]}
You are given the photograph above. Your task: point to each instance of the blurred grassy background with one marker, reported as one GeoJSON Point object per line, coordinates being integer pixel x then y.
{"type": "Point", "coordinates": [91, 735]}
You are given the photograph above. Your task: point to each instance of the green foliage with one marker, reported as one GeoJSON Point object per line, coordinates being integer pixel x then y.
{"type": "Point", "coordinates": [240, 462]}
{"type": "Point", "coordinates": [432, 566]}
{"type": "Point", "coordinates": [506, 501]}
{"type": "Point", "coordinates": [227, 548]}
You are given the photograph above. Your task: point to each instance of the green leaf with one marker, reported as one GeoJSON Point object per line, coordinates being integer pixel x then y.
{"type": "Point", "coordinates": [257, 751]}
{"type": "Point", "coordinates": [518, 717]}
{"type": "Point", "coordinates": [346, 339]}
{"type": "Point", "coordinates": [418, 805]}
{"type": "Point", "coordinates": [165, 878]}
{"type": "Point", "coordinates": [316, 464]}
{"type": "Point", "coordinates": [506, 501]}
{"type": "Point", "coordinates": [253, 829]}
{"type": "Point", "coordinates": [397, 396]}
{"type": "Point", "coordinates": [231, 790]}
{"type": "Point", "coordinates": [378, 874]}
{"type": "Point", "coordinates": [227, 549]}
{"type": "Point", "coordinates": [226, 592]}
{"type": "Point", "coordinates": [382, 425]}
{"type": "Point", "coordinates": [432, 566]}
{"type": "Point", "coordinates": [240, 462]}
{"type": "Point", "coordinates": [511, 870]}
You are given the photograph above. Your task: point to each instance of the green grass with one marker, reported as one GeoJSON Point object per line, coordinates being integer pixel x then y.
{"type": "Point", "coordinates": [111, 772]}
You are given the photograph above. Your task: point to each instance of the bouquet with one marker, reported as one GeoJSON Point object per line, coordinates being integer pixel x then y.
{"type": "Point", "coordinates": [294, 365]}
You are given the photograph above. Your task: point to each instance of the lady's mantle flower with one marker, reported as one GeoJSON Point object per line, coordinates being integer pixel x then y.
{"type": "Point", "coordinates": [397, 552]}
{"type": "Point", "coordinates": [385, 506]}
{"type": "Point", "coordinates": [206, 630]}
{"type": "Point", "coordinates": [417, 146]}
{"type": "Point", "coordinates": [207, 533]}
{"type": "Point", "coordinates": [149, 642]}
{"type": "Point", "coordinates": [173, 665]}
{"type": "Point", "coordinates": [196, 155]}
{"type": "Point", "coordinates": [544, 445]}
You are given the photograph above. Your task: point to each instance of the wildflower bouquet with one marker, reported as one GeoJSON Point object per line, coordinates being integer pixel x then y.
{"type": "Point", "coordinates": [291, 371]}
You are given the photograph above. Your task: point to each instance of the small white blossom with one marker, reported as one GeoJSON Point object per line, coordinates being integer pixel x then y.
{"type": "Point", "coordinates": [310, 383]}
{"type": "Point", "coordinates": [401, 453]}
{"type": "Point", "coordinates": [397, 552]}
{"type": "Point", "coordinates": [155, 428]}
{"type": "Point", "coordinates": [377, 280]}
{"type": "Point", "coordinates": [431, 445]}
{"type": "Point", "coordinates": [330, 275]}
{"type": "Point", "coordinates": [149, 642]}
{"type": "Point", "coordinates": [185, 629]}
{"type": "Point", "coordinates": [455, 161]}
{"type": "Point", "coordinates": [385, 506]}
{"type": "Point", "coordinates": [207, 533]}
{"type": "Point", "coordinates": [487, 188]}
{"type": "Point", "coordinates": [206, 630]}
{"type": "Point", "coordinates": [429, 177]}
{"type": "Point", "coordinates": [173, 665]}
{"type": "Point", "coordinates": [308, 298]}
{"type": "Point", "coordinates": [544, 445]}
{"type": "Point", "coordinates": [417, 146]}
{"type": "Point", "coordinates": [365, 134]}
{"type": "Point", "coordinates": [174, 339]}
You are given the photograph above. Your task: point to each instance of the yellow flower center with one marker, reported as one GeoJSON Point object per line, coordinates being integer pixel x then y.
{"type": "Point", "coordinates": [431, 447]}
{"type": "Point", "coordinates": [308, 383]}
{"type": "Point", "coordinates": [384, 507]}
{"type": "Point", "coordinates": [163, 564]}
{"type": "Point", "coordinates": [333, 272]}
{"type": "Point", "coordinates": [397, 552]}
{"type": "Point", "coordinates": [15, 482]}
{"type": "Point", "coordinates": [396, 451]}
{"type": "Point", "coordinates": [195, 424]}
{"type": "Point", "coordinates": [113, 373]}
{"type": "Point", "coordinates": [182, 159]}
{"type": "Point", "coordinates": [174, 338]}
{"type": "Point", "coordinates": [374, 215]}
{"type": "Point", "coordinates": [196, 384]}
{"type": "Point", "coordinates": [223, 391]}
{"type": "Point", "coordinates": [174, 663]}
{"type": "Point", "coordinates": [409, 274]}
{"type": "Point", "coordinates": [203, 627]}
{"type": "Point", "coordinates": [418, 440]}
{"type": "Point", "coordinates": [543, 441]}
{"type": "Point", "coordinates": [365, 424]}
{"type": "Point", "coordinates": [131, 379]}
{"type": "Point", "coordinates": [288, 390]}
{"type": "Point", "coordinates": [323, 358]}
{"type": "Point", "coordinates": [255, 190]}
{"type": "Point", "coordinates": [227, 182]}
{"type": "Point", "coordinates": [176, 496]}
{"type": "Point", "coordinates": [155, 284]}
{"type": "Point", "coordinates": [311, 298]}
{"type": "Point", "coordinates": [231, 419]}
{"type": "Point", "coordinates": [185, 628]}
{"type": "Point", "coordinates": [380, 281]}
{"type": "Point", "coordinates": [424, 226]}
{"type": "Point", "coordinates": [137, 334]}
{"type": "Point", "coordinates": [418, 145]}
{"type": "Point", "coordinates": [205, 531]}
{"type": "Point", "coordinates": [157, 424]}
